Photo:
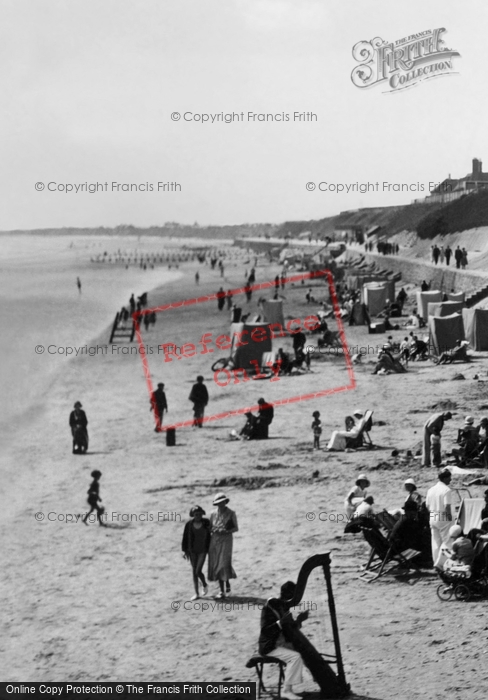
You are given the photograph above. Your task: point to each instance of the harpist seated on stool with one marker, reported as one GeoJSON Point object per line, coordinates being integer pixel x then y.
{"type": "Point", "coordinates": [276, 623]}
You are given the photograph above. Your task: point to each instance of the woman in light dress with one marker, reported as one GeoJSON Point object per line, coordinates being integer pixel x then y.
{"type": "Point", "coordinates": [223, 524]}
{"type": "Point", "coordinates": [338, 439]}
{"type": "Point", "coordinates": [357, 494]}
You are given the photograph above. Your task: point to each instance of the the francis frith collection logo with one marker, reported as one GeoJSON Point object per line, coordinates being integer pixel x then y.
{"type": "Point", "coordinates": [403, 63]}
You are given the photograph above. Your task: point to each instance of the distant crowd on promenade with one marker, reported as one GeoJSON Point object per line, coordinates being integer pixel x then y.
{"type": "Point", "coordinates": [443, 256]}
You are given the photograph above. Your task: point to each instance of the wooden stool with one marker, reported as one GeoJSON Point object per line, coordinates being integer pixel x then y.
{"type": "Point", "coordinates": [258, 663]}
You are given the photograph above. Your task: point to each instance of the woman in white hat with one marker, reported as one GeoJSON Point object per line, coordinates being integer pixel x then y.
{"type": "Point", "coordinates": [412, 495]}
{"type": "Point", "coordinates": [357, 494]}
{"type": "Point", "coordinates": [223, 523]}
{"type": "Point", "coordinates": [338, 438]}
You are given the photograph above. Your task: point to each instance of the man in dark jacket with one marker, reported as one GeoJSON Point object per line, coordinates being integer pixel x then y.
{"type": "Point", "coordinates": [458, 256]}
{"type": "Point", "coordinates": [159, 405]}
{"type": "Point", "coordinates": [265, 418]}
{"type": "Point", "coordinates": [199, 397]}
{"type": "Point", "coordinates": [276, 625]}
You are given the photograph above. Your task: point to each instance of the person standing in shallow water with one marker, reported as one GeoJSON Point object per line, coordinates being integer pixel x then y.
{"type": "Point", "coordinates": [94, 498]}
{"type": "Point", "coordinates": [195, 544]}
{"type": "Point", "coordinates": [223, 523]}
{"type": "Point", "coordinates": [78, 284]}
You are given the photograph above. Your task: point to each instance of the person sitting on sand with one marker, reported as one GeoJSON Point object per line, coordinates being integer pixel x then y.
{"type": "Point", "coordinates": [419, 349]}
{"type": "Point", "coordinates": [338, 440]}
{"type": "Point", "coordinates": [94, 498]}
{"type": "Point", "coordinates": [248, 429]}
{"type": "Point", "coordinates": [387, 364]}
{"type": "Point", "coordinates": [195, 546]}
{"type": "Point", "coordinates": [357, 494]}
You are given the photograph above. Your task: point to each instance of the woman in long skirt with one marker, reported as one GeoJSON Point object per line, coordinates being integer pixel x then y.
{"type": "Point", "coordinates": [223, 523]}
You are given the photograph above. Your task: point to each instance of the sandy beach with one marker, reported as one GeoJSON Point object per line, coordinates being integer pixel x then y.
{"type": "Point", "coordinates": [91, 603]}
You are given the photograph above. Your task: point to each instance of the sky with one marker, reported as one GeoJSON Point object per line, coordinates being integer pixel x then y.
{"type": "Point", "coordinates": [89, 87]}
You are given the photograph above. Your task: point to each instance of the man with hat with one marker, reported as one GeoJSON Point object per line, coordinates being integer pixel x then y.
{"type": "Point", "coordinates": [199, 398]}
{"type": "Point", "coordinates": [78, 422]}
{"type": "Point", "coordinates": [433, 426]}
{"type": "Point", "coordinates": [159, 405]}
{"type": "Point", "coordinates": [277, 626]}
{"type": "Point", "coordinates": [439, 504]}
{"type": "Point", "coordinates": [223, 524]}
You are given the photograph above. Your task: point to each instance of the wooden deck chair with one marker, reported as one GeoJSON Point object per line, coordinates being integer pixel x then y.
{"type": "Point", "coordinates": [362, 439]}
{"type": "Point", "coordinates": [384, 553]}
{"type": "Point", "coordinates": [386, 520]}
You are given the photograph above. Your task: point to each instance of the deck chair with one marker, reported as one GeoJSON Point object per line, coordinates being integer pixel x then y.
{"type": "Point", "coordinates": [386, 520]}
{"type": "Point", "coordinates": [362, 439]}
{"type": "Point", "coordinates": [384, 553]}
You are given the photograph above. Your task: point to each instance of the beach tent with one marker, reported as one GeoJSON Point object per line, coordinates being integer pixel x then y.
{"type": "Point", "coordinates": [388, 283]}
{"type": "Point", "coordinates": [273, 311]}
{"type": "Point", "coordinates": [254, 349]}
{"type": "Point", "coordinates": [358, 281]}
{"type": "Point", "coordinates": [423, 299]}
{"type": "Point", "coordinates": [476, 327]}
{"type": "Point", "coordinates": [456, 296]}
{"type": "Point", "coordinates": [444, 308]}
{"type": "Point", "coordinates": [444, 331]}
{"type": "Point", "coordinates": [375, 295]}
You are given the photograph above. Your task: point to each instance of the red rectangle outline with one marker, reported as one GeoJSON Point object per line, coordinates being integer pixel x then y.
{"type": "Point", "coordinates": [241, 290]}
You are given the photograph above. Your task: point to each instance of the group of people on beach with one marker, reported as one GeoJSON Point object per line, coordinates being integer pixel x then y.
{"type": "Point", "coordinates": [198, 396]}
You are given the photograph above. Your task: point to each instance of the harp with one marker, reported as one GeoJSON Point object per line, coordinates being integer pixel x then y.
{"type": "Point", "coordinates": [332, 683]}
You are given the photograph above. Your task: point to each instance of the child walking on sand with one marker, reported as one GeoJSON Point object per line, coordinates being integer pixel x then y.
{"type": "Point", "coordinates": [316, 429]}
{"type": "Point", "coordinates": [94, 499]}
